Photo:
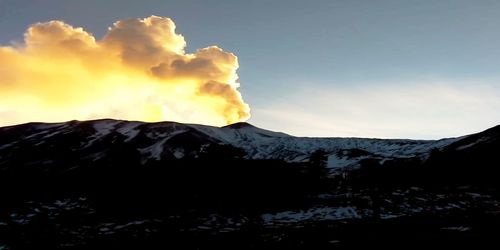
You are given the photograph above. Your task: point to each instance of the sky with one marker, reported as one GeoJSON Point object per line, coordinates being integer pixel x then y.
{"type": "Point", "coordinates": [389, 69]}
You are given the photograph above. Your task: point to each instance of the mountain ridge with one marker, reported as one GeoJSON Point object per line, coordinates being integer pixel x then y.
{"type": "Point", "coordinates": [172, 140]}
{"type": "Point", "coordinates": [236, 125]}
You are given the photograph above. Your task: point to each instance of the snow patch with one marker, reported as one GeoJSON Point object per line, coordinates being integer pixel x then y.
{"type": "Point", "coordinates": [129, 130]}
{"type": "Point", "coordinates": [133, 223]}
{"type": "Point", "coordinates": [6, 145]}
{"type": "Point", "coordinates": [178, 153]}
{"type": "Point", "coordinates": [315, 214]}
{"type": "Point", "coordinates": [154, 151]}
{"type": "Point", "coordinates": [335, 161]}
{"type": "Point", "coordinates": [483, 139]}
{"type": "Point", "coordinates": [104, 127]}
{"type": "Point", "coordinates": [459, 229]}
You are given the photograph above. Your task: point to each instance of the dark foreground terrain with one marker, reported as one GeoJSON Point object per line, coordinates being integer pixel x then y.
{"type": "Point", "coordinates": [61, 192]}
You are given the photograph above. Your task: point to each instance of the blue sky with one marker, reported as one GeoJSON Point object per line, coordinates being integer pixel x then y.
{"type": "Point", "coordinates": [412, 69]}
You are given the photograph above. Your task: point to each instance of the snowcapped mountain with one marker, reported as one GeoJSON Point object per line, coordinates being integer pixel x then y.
{"type": "Point", "coordinates": [95, 140]}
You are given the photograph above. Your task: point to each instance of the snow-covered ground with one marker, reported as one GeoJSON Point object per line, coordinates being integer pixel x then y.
{"type": "Point", "coordinates": [263, 144]}
{"type": "Point", "coordinates": [312, 214]}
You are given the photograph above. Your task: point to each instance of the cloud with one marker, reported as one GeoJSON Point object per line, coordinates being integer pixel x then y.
{"type": "Point", "coordinates": [145, 42]}
{"type": "Point", "coordinates": [138, 71]}
{"type": "Point", "coordinates": [421, 110]}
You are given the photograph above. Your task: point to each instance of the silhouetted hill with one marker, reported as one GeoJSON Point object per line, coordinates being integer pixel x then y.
{"type": "Point", "coordinates": [134, 185]}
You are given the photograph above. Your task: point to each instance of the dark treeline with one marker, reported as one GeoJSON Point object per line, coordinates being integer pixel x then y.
{"type": "Point", "coordinates": [207, 183]}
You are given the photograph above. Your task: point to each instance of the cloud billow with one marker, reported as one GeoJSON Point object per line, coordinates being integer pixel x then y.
{"type": "Point", "coordinates": [138, 71]}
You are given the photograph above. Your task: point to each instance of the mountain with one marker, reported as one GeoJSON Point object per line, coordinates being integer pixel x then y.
{"type": "Point", "coordinates": [133, 185]}
{"type": "Point", "coordinates": [51, 144]}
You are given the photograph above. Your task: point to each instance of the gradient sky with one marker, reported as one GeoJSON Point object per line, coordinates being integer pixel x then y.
{"type": "Point", "coordinates": [392, 69]}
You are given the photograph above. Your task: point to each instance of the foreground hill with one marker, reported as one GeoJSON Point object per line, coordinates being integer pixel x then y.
{"type": "Point", "coordinates": [132, 185]}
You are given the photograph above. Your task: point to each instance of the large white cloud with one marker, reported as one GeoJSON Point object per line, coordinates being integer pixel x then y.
{"type": "Point", "coordinates": [138, 71]}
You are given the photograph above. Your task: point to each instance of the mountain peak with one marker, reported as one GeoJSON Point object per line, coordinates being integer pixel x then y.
{"type": "Point", "coordinates": [240, 125]}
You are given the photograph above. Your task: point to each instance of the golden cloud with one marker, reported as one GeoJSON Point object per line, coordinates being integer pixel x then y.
{"type": "Point", "coordinates": [138, 71]}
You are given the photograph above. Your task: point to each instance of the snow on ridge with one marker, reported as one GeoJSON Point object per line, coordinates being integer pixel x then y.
{"type": "Point", "coordinates": [104, 127]}
{"type": "Point", "coordinates": [482, 139]}
{"type": "Point", "coordinates": [129, 130]}
{"type": "Point", "coordinates": [214, 132]}
{"type": "Point", "coordinates": [47, 130]}
{"type": "Point", "coordinates": [256, 142]}
{"type": "Point", "coordinates": [51, 125]}
{"type": "Point", "coordinates": [250, 129]}
{"type": "Point", "coordinates": [232, 135]}
{"type": "Point", "coordinates": [263, 144]}
{"type": "Point", "coordinates": [260, 147]}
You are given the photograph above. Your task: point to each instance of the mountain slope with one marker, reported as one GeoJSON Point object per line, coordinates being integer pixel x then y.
{"type": "Point", "coordinates": [132, 185]}
{"type": "Point", "coordinates": [53, 143]}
